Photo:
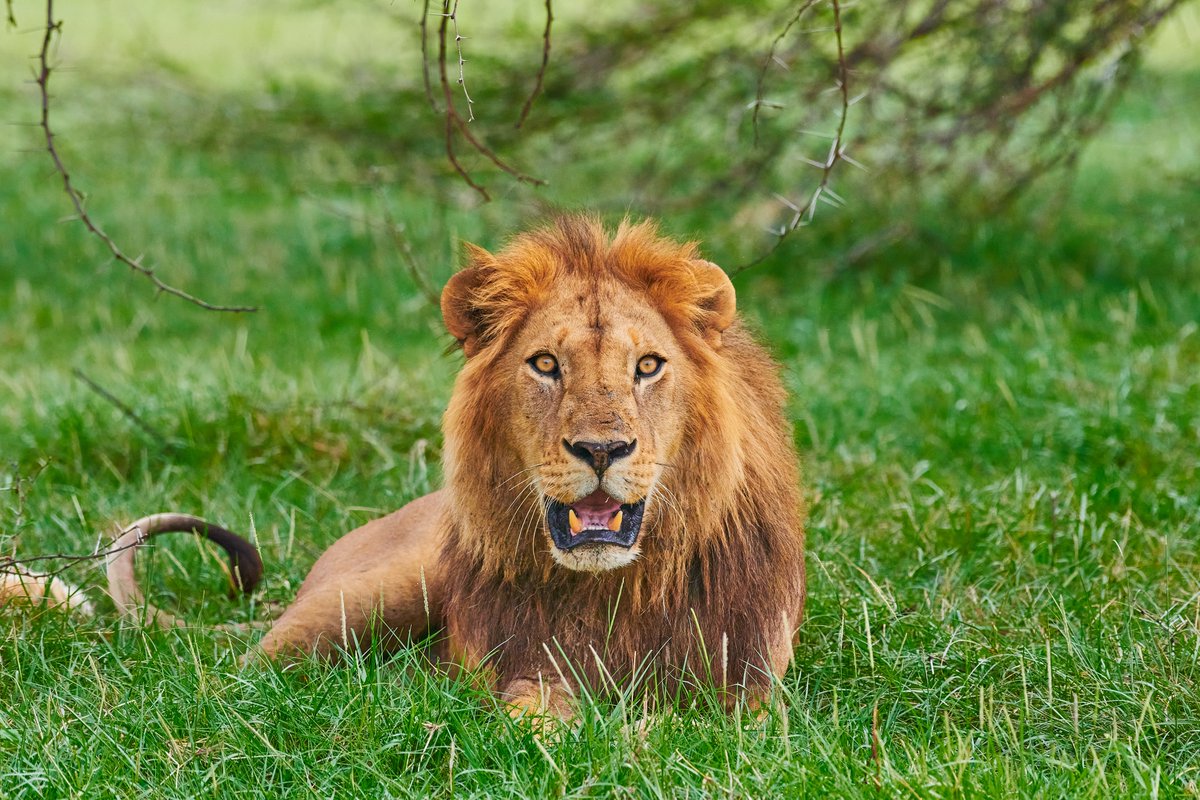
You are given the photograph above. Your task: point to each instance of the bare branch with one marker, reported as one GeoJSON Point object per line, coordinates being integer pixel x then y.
{"type": "Point", "coordinates": [772, 57]}
{"type": "Point", "coordinates": [12, 20]}
{"type": "Point", "coordinates": [804, 213]}
{"type": "Point", "coordinates": [18, 486]}
{"type": "Point", "coordinates": [54, 28]}
{"type": "Point", "coordinates": [125, 410]}
{"type": "Point", "coordinates": [455, 122]}
{"type": "Point", "coordinates": [17, 566]}
{"type": "Point", "coordinates": [462, 74]}
{"type": "Point", "coordinates": [541, 74]}
{"type": "Point", "coordinates": [399, 235]}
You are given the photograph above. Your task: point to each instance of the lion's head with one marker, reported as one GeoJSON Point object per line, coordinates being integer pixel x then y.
{"type": "Point", "coordinates": [596, 405]}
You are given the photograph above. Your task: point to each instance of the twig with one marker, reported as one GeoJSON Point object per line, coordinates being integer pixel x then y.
{"type": "Point", "coordinates": [43, 81]}
{"type": "Point", "coordinates": [16, 566]}
{"type": "Point", "coordinates": [398, 233]}
{"type": "Point", "coordinates": [17, 487]}
{"type": "Point", "coordinates": [452, 114]}
{"type": "Point", "coordinates": [762, 73]}
{"type": "Point", "coordinates": [129, 413]}
{"type": "Point", "coordinates": [835, 156]}
{"type": "Point", "coordinates": [12, 20]}
{"type": "Point", "coordinates": [455, 122]}
{"type": "Point", "coordinates": [18, 480]}
{"type": "Point", "coordinates": [462, 73]}
{"type": "Point", "coordinates": [399, 236]}
{"type": "Point", "coordinates": [541, 74]}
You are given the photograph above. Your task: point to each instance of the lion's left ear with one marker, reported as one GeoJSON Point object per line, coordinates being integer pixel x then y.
{"type": "Point", "coordinates": [717, 303]}
{"type": "Point", "coordinates": [460, 310]}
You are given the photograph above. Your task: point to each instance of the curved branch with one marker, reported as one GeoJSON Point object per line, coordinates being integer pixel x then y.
{"type": "Point", "coordinates": [54, 27]}
{"type": "Point", "coordinates": [455, 122]}
{"type": "Point", "coordinates": [803, 214]}
{"type": "Point", "coordinates": [541, 74]}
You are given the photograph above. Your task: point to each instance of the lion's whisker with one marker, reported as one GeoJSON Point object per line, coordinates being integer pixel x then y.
{"type": "Point", "coordinates": [516, 475]}
{"type": "Point", "coordinates": [530, 515]}
{"type": "Point", "coordinates": [529, 491]}
{"type": "Point", "coordinates": [531, 482]}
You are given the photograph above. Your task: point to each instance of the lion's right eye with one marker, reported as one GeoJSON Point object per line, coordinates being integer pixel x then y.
{"type": "Point", "coordinates": [545, 364]}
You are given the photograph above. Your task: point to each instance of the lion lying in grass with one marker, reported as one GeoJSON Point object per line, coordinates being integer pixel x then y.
{"type": "Point", "coordinates": [622, 495]}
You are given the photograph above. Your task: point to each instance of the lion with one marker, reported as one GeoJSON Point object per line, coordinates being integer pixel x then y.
{"type": "Point", "coordinates": [622, 500]}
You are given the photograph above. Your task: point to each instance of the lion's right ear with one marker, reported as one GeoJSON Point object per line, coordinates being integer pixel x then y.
{"type": "Point", "coordinates": [717, 302]}
{"type": "Point", "coordinates": [460, 310]}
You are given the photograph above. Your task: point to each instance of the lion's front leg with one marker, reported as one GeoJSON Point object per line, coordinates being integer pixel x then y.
{"type": "Point", "coordinates": [379, 583]}
{"type": "Point", "coordinates": [539, 698]}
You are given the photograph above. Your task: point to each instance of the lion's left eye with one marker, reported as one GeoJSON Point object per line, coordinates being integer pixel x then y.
{"type": "Point", "coordinates": [545, 364]}
{"type": "Point", "coordinates": [649, 366]}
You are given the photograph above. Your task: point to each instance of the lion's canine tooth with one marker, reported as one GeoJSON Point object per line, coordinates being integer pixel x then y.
{"type": "Point", "coordinates": [614, 524]}
{"type": "Point", "coordinates": [576, 525]}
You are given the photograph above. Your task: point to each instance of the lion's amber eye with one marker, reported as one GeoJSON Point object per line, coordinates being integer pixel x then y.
{"type": "Point", "coordinates": [545, 364]}
{"type": "Point", "coordinates": [649, 366]}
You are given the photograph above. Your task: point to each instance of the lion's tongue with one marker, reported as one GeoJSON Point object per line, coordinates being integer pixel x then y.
{"type": "Point", "coordinates": [596, 510]}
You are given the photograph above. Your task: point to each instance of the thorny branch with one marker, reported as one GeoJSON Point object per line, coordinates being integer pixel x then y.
{"type": "Point", "coordinates": [454, 121]}
{"type": "Point", "coordinates": [17, 566]}
{"type": "Point", "coordinates": [541, 73]}
{"type": "Point", "coordinates": [803, 214]}
{"type": "Point", "coordinates": [462, 73]}
{"type": "Point", "coordinates": [53, 28]}
{"type": "Point", "coordinates": [772, 57]}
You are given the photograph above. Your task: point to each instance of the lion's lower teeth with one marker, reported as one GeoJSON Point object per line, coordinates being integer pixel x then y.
{"type": "Point", "coordinates": [614, 524]}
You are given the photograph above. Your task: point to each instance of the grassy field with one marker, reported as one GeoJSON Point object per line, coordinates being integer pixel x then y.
{"type": "Point", "coordinates": [999, 419]}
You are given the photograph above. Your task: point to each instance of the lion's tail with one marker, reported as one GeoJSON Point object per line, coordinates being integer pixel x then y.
{"type": "Point", "coordinates": [245, 565]}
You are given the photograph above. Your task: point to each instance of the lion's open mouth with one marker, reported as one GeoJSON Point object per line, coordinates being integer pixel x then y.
{"type": "Point", "coordinates": [595, 519]}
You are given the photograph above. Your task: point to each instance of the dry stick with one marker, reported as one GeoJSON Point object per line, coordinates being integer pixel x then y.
{"type": "Point", "coordinates": [451, 113]}
{"type": "Point", "coordinates": [16, 566]}
{"type": "Point", "coordinates": [455, 122]}
{"type": "Point", "coordinates": [537, 86]}
{"type": "Point", "coordinates": [832, 160]}
{"type": "Point", "coordinates": [135, 264]}
{"type": "Point", "coordinates": [12, 20]}
{"type": "Point", "coordinates": [399, 236]}
{"type": "Point", "coordinates": [462, 73]}
{"type": "Point", "coordinates": [128, 412]}
{"type": "Point", "coordinates": [17, 488]}
{"type": "Point", "coordinates": [762, 73]}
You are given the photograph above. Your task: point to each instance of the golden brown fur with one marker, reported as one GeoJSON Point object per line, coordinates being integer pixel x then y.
{"type": "Point", "coordinates": [712, 590]}
{"type": "Point", "coordinates": [18, 586]}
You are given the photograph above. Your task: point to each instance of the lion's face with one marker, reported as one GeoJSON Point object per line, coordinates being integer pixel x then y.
{"type": "Point", "coordinates": [598, 378]}
{"type": "Point", "coordinates": [583, 356]}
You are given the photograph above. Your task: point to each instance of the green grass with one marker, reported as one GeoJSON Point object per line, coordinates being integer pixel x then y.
{"type": "Point", "coordinates": [999, 418]}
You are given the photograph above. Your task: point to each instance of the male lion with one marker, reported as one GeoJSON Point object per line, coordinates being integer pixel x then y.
{"type": "Point", "coordinates": [622, 494]}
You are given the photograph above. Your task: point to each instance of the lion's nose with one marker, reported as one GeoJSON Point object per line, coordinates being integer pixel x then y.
{"type": "Point", "coordinates": [598, 455]}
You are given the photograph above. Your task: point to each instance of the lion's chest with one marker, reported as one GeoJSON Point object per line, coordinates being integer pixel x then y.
{"type": "Point", "coordinates": [601, 637]}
